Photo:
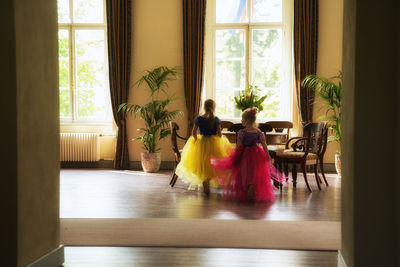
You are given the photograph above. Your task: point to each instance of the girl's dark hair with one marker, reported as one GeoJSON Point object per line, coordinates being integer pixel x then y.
{"type": "Point", "coordinates": [209, 107]}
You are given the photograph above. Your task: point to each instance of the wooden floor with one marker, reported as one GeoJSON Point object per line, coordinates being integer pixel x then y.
{"type": "Point", "coordinates": [94, 193]}
{"type": "Point", "coordinates": [199, 257]}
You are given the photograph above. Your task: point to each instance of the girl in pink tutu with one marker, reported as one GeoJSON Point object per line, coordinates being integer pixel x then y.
{"type": "Point", "coordinates": [246, 173]}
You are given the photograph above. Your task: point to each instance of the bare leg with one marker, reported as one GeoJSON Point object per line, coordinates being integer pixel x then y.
{"type": "Point", "coordinates": [250, 193]}
{"type": "Point", "coordinates": [206, 187]}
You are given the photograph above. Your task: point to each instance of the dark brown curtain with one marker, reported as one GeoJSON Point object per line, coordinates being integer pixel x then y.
{"type": "Point", "coordinates": [119, 55]}
{"type": "Point", "coordinates": [194, 12]}
{"type": "Point", "coordinates": [305, 53]}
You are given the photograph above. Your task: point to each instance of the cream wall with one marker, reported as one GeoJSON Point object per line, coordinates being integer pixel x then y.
{"type": "Point", "coordinates": [329, 53]}
{"type": "Point", "coordinates": [156, 41]}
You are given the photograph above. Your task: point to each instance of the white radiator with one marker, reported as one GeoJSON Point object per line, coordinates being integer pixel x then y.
{"type": "Point", "coordinates": [80, 147]}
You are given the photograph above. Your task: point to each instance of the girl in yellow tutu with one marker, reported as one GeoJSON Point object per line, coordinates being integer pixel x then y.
{"type": "Point", "coordinates": [195, 166]}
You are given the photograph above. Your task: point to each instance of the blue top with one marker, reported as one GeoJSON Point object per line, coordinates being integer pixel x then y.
{"type": "Point", "coordinates": [204, 126]}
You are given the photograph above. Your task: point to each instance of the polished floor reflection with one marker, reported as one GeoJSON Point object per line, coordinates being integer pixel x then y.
{"type": "Point", "coordinates": [154, 256]}
{"type": "Point", "coordinates": [94, 193]}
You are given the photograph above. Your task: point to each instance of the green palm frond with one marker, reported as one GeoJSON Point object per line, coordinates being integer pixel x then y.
{"type": "Point", "coordinates": [331, 94]}
{"type": "Point", "coordinates": [155, 113]}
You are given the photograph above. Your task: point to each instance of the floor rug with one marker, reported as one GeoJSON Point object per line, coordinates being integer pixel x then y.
{"type": "Point", "coordinates": [165, 232]}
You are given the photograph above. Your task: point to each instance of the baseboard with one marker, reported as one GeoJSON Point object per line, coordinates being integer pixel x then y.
{"type": "Point", "coordinates": [52, 259]}
{"type": "Point", "coordinates": [102, 164]}
{"type": "Point", "coordinates": [341, 261]}
{"type": "Point", "coordinates": [165, 165]}
{"type": "Point", "coordinates": [136, 165]}
{"type": "Point", "coordinates": [108, 164]}
{"type": "Point", "coordinates": [330, 167]}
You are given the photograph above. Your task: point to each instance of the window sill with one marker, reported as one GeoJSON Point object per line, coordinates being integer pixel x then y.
{"type": "Point", "coordinates": [88, 127]}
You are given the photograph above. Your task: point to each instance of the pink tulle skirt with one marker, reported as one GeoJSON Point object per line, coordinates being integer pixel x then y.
{"type": "Point", "coordinates": [247, 166]}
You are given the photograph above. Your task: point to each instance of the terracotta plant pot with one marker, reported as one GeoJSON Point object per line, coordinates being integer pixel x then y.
{"type": "Point", "coordinates": [151, 161]}
{"type": "Point", "coordinates": [338, 164]}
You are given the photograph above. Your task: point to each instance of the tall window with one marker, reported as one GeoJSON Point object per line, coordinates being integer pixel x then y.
{"type": "Point", "coordinates": [249, 43]}
{"type": "Point", "coordinates": [83, 70]}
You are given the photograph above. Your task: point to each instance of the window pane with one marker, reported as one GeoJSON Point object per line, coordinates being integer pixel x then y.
{"type": "Point", "coordinates": [266, 57]}
{"type": "Point", "coordinates": [63, 11]}
{"type": "Point", "coordinates": [266, 51]}
{"type": "Point", "coordinates": [88, 11]}
{"type": "Point", "coordinates": [272, 105]}
{"type": "Point", "coordinates": [230, 59]}
{"type": "Point", "coordinates": [64, 74]}
{"type": "Point", "coordinates": [230, 74]}
{"type": "Point", "coordinates": [266, 11]}
{"type": "Point", "coordinates": [230, 44]}
{"type": "Point", "coordinates": [91, 79]}
{"type": "Point", "coordinates": [231, 11]}
{"type": "Point", "coordinates": [225, 104]}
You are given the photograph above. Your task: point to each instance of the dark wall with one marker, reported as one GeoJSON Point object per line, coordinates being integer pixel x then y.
{"type": "Point", "coordinates": [371, 133]}
{"type": "Point", "coordinates": [30, 147]}
{"type": "Point", "coordinates": [37, 127]}
{"type": "Point", "coordinates": [347, 145]}
{"type": "Point", "coordinates": [8, 133]}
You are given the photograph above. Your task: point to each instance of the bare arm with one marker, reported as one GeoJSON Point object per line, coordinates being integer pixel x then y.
{"type": "Point", "coordinates": [239, 141]}
{"type": "Point", "coordinates": [264, 143]}
{"type": "Point", "coordinates": [219, 130]}
{"type": "Point", "coordinates": [194, 131]}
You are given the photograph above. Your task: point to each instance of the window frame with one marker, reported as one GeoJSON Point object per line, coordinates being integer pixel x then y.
{"type": "Point", "coordinates": [71, 27]}
{"type": "Point", "coordinates": [286, 25]}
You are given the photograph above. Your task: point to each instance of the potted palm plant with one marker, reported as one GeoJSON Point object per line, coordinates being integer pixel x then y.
{"type": "Point", "coordinates": [331, 93]}
{"type": "Point", "coordinates": [155, 114]}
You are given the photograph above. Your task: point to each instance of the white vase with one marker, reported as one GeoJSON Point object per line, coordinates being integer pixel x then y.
{"type": "Point", "coordinates": [151, 161]}
{"type": "Point", "coordinates": [338, 164]}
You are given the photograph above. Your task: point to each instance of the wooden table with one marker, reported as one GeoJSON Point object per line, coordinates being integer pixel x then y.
{"type": "Point", "coordinates": [230, 135]}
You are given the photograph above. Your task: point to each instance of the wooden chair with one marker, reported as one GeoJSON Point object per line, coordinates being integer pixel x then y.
{"type": "Point", "coordinates": [264, 127]}
{"type": "Point", "coordinates": [306, 150]}
{"type": "Point", "coordinates": [226, 125]}
{"type": "Point", "coordinates": [282, 130]}
{"type": "Point", "coordinates": [174, 141]}
{"type": "Point", "coordinates": [236, 127]}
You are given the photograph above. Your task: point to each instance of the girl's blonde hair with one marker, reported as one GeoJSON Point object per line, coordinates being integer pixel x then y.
{"type": "Point", "coordinates": [250, 115]}
{"type": "Point", "coordinates": [209, 108]}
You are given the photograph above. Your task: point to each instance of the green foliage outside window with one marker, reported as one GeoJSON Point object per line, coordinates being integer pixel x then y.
{"type": "Point", "coordinates": [264, 77]}
{"type": "Point", "coordinates": [87, 81]}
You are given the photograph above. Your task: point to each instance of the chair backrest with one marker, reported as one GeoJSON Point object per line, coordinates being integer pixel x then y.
{"type": "Point", "coordinates": [316, 134]}
{"type": "Point", "coordinates": [265, 127]}
{"type": "Point", "coordinates": [174, 132]}
{"type": "Point", "coordinates": [236, 127]}
{"type": "Point", "coordinates": [174, 140]}
{"type": "Point", "coordinates": [324, 141]}
{"type": "Point", "coordinates": [226, 125]}
{"type": "Point", "coordinates": [282, 127]}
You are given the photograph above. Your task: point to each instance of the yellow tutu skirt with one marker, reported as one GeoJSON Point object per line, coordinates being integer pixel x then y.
{"type": "Point", "coordinates": [195, 166]}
